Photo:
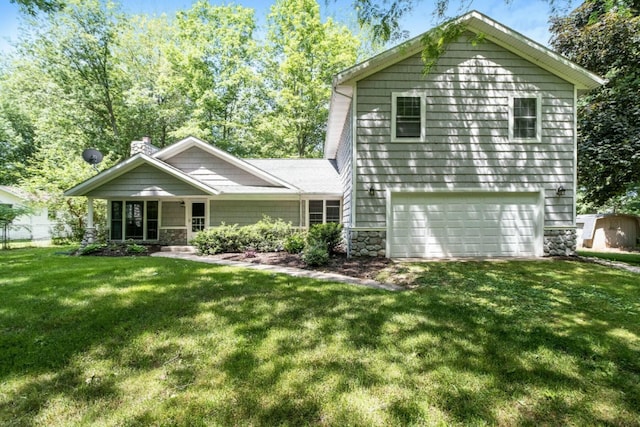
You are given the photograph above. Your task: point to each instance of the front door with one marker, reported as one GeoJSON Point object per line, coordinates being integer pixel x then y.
{"type": "Point", "coordinates": [197, 218]}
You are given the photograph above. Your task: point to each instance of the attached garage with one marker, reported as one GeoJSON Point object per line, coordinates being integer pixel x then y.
{"type": "Point", "coordinates": [465, 224]}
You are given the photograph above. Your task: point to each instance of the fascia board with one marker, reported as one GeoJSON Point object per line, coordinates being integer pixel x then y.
{"type": "Point", "coordinates": [192, 141]}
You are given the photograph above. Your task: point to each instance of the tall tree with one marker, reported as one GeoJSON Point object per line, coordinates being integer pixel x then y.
{"type": "Point", "coordinates": [213, 62]}
{"type": "Point", "coordinates": [302, 56]}
{"type": "Point", "coordinates": [604, 37]}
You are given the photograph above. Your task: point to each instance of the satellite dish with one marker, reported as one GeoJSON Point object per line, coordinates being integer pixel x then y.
{"type": "Point", "coordinates": [92, 156]}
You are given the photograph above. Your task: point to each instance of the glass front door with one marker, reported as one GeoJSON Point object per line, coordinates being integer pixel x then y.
{"type": "Point", "coordinates": [198, 218]}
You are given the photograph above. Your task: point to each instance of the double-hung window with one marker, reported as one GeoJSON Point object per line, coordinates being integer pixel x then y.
{"type": "Point", "coordinates": [323, 211]}
{"type": "Point", "coordinates": [525, 118]}
{"type": "Point", "coordinates": [408, 116]}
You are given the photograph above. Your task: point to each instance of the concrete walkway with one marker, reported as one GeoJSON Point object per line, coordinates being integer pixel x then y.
{"type": "Point", "coordinates": [296, 272]}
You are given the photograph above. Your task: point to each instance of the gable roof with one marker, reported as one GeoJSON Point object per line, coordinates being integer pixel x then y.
{"type": "Point", "coordinates": [189, 142]}
{"type": "Point", "coordinates": [283, 176]}
{"type": "Point", "coordinates": [473, 21]}
{"type": "Point", "coordinates": [131, 163]}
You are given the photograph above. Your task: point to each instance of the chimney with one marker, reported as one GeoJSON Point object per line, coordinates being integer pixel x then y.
{"type": "Point", "coordinates": [143, 147]}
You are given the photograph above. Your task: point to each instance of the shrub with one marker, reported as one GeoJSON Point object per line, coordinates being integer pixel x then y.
{"type": "Point", "coordinates": [135, 249]}
{"type": "Point", "coordinates": [328, 235]}
{"type": "Point", "coordinates": [92, 248]}
{"type": "Point", "coordinates": [267, 235]}
{"type": "Point", "coordinates": [315, 255]}
{"type": "Point", "coordinates": [294, 244]}
{"type": "Point", "coordinates": [224, 238]}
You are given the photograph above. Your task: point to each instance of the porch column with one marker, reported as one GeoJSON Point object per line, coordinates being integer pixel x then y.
{"type": "Point", "coordinates": [90, 231]}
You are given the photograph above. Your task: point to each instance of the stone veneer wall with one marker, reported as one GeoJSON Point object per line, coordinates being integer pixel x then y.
{"type": "Point", "coordinates": [560, 242]}
{"type": "Point", "coordinates": [368, 243]}
{"type": "Point", "coordinates": [173, 236]}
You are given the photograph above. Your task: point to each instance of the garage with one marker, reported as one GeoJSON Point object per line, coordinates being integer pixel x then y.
{"type": "Point", "coordinates": [455, 224]}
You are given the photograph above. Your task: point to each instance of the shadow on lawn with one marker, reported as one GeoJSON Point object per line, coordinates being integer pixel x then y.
{"type": "Point", "coordinates": [472, 345]}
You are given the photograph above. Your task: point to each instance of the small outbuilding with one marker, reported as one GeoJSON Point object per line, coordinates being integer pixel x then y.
{"type": "Point", "coordinates": [34, 226]}
{"type": "Point", "coordinates": [604, 231]}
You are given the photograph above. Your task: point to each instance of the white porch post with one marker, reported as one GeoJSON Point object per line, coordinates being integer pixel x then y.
{"type": "Point", "coordinates": [90, 212]}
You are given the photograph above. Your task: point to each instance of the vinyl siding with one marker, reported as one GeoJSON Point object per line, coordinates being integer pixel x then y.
{"type": "Point", "coordinates": [467, 142]}
{"type": "Point", "coordinates": [345, 167]}
{"type": "Point", "coordinates": [243, 212]}
{"type": "Point", "coordinates": [144, 181]}
{"type": "Point", "coordinates": [212, 170]}
{"type": "Point", "coordinates": [172, 214]}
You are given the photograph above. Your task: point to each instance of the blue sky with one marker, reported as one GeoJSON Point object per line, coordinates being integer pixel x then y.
{"type": "Point", "coordinates": [529, 17]}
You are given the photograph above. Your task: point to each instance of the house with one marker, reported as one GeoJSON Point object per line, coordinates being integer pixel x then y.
{"type": "Point", "coordinates": [475, 158]}
{"type": "Point", "coordinates": [605, 231]}
{"type": "Point", "coordinates": [34, 226]}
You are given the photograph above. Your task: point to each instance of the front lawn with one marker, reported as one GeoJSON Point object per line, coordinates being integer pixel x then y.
{"type": "Point", "coordinates": [632, 258]}
{"type": "Point", "coordinates": [153, 341]}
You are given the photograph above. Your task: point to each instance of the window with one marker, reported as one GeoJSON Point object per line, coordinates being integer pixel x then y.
{"type": "Point", "coordinates": [323, 211]}
{"type": "Point", "coordinates": [134, 216]}
{"type": "Point", "coordinates": [408, 116]}
{"type": "Point", "coordinates": [116, 220]}
{"type": "Point", "coordinates": [524, 123]}
{"type": "Point", "coordinates": [136, 219]}
{"type": "Point", "coordinates": [197, 216]}
{"type": "Point", "coordinates": [152, 220]}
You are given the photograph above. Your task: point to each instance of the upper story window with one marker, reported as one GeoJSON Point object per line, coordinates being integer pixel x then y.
{"type": "Point", "coordinates": [408, 116]}
{"type": "Point", "coordinates": [525, 118]}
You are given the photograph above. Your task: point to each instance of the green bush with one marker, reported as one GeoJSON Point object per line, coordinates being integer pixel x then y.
{"type": "Point", "coordinates": [267, 235]}
{"type": "Point", "coordinates": [92, 248]}
{"type": "Point", "coordinates": [315, 255]}
{"type": "Point", "coordinates": [328, 235]}
{"type": "Point", "coordinates": [135, 249]}
{"type": "Point", "coordinates": [295, 243]}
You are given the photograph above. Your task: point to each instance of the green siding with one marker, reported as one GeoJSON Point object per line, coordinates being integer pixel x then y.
{"type": "Point", "coordinates": [245, 212]}
{"type": "Point", "coordinates": [144, 181]}
{"type": "Point", "coordinates": [467, 132]}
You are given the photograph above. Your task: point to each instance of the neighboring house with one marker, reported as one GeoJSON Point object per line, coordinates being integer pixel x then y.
{"type": "Point", "coordinates": [35, 226]}
{"type": "Point", "coordinates": [605, 231]}
{"type": "Point", "coordinates": [476, 158]}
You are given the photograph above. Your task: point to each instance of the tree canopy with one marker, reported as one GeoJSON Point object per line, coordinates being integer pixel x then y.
{"type": "Point", "coordinates": [604, 37]}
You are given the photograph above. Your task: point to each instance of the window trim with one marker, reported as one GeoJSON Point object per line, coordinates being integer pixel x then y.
{"type": "Point", "coordinates": [124, 219]}
{"type": "Point", "coordinates": [324, 210]}
{"type": "Point", "coordinates": [423, 115]}
{"type": "Point", "coordinates": [538, 98]}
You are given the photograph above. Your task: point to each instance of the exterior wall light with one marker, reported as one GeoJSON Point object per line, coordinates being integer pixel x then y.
{"type": "Point", "coordinates": [560, 191]}
{"type": "Point", "coordinates": [372, 191]}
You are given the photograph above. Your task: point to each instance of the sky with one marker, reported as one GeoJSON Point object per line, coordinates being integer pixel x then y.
{"type": "Point", "coordinates": [528, 17]}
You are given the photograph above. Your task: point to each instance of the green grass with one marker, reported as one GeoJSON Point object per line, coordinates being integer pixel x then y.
{"type": "Point", "coordinates": [632, 258]}
{"type": "Point", "coordinates": [150, 341]}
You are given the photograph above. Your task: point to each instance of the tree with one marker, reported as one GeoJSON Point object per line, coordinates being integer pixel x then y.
{"type": "Point", "coordinates": [212, 61]}
{"type": "Point", "coordinates": [302, 56]}
{"type": "Point", "coordinates": [33, 6]}
{"type": "Point", "coordinates": [605, 38]}
{"type": "Point", "coordinates": [8, 214]}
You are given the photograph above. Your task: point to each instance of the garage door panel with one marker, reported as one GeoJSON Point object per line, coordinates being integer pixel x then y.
{"type": "Point", "coordinates": [464, 224]}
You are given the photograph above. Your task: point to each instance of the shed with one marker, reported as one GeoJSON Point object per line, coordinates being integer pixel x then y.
{"type": "Point", "coordinates": [604, 231]}
{"type": "Point", "coordinates": [35, 226]}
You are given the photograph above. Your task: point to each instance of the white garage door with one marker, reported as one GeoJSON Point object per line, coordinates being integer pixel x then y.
{"type": "Point", "coordinates": [437, 225]}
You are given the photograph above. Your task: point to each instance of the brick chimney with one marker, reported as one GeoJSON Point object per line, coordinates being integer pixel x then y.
{"type": "Point", "coordinates": [143, 147]}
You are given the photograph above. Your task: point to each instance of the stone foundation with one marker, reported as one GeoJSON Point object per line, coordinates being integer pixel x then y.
{"type": "Point", "coordinates": [368, 243]}
{"type": "Point", "coordinates": [176, 237]}
{"type": "Point", "coordinates": [89, 237]}
{"type": "Point", "coordinates": [560, 242]}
